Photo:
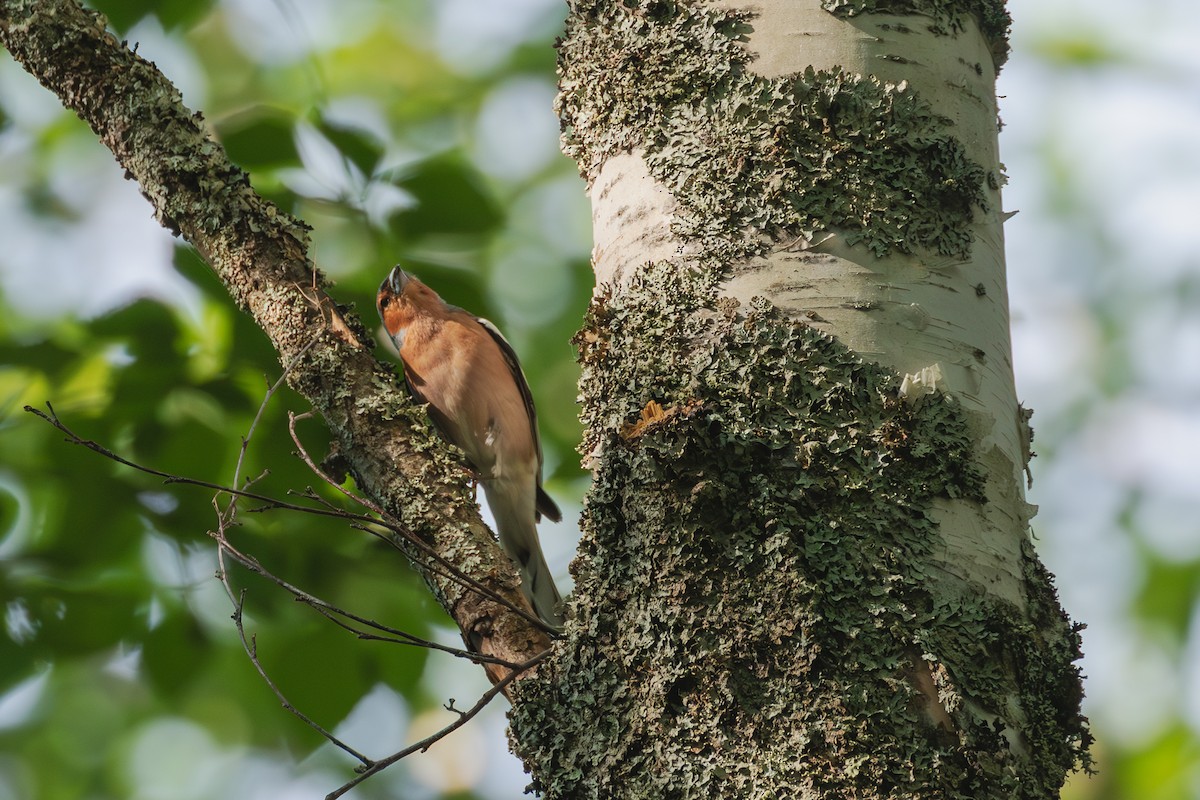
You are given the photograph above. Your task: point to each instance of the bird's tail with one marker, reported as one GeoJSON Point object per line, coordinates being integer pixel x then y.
{"type": "Point", "coordinates": [538, 585]}
{"type": "Point", "coordinates": [518, 538]}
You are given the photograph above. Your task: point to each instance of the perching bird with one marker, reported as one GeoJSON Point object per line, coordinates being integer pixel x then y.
{"type": "Point", "coordinates": [478, 397]}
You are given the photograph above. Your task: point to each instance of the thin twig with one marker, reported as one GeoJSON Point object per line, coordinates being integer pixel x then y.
{"type": "Point", "coordinates": [262, 408]}
{"type": "Point", "coordinates": [228, 517]}
{"type": "Point", "coordinates": [397, 527]}
{"type": "Point", "coordinates": [310, 493]}
{"type": "Point", "coordinates": [358, 521]}
{"type": "Point", "coordinates": [168, 478]}
{"type": "Point", "coordinates": [250, 645]}
{"type": "Point", "coordinates": [463, 718]}
{"type": "Point", "coordinates": [448, 571]}
{"type": "Point", "coordinates": [333, 613]}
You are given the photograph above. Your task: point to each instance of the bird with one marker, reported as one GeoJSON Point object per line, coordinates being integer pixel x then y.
{"type": "Point", "coordinates": [477, 396]}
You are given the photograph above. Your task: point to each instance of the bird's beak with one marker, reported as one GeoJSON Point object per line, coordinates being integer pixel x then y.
{"type": "Point", "coordinates": [396, 280]}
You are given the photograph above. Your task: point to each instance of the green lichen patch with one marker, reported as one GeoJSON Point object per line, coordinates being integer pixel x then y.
{"type": "Point", "coordinates": [949, 17]}
{"type": "Point", "coordinates": [760, 567]}
{"type": "Point", "coordinates": [753, 160]}
{"type": "Point", "coordinates": [763, 609]}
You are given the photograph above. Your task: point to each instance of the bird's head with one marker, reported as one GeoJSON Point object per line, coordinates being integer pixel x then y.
{"type": "Point", "coordinates": [402, 298]}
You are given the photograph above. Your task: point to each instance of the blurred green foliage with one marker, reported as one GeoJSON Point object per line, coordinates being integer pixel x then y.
{"type": "Point", "coordinates": [116, 629]}
{"type": "Point", "coordinates": [1107, 147]}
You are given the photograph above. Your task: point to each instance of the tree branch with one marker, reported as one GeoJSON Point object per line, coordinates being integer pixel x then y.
{"type": "Point", "coordinates": [260, 254]}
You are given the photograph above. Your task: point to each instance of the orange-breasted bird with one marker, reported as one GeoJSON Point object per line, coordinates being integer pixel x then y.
{"type": "Point", "coordinates": [479, 399]}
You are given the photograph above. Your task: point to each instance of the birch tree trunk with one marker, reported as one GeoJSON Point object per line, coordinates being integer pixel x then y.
{"type": "Point", "coordinates": [806, 568]}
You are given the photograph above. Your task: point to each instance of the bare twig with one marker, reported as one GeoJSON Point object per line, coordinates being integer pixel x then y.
{"type": "Point", "coordinates": [257, 250]}
{"type": "Point", "coordinates": [368, 767]}
{"type": "Point", "coordinates": [228, 517]}
{"type": "Point", "coordinates": [361, 627]}
{"type": "Point", "coordinates": [463, 718]}
{"type": "Point", "coordinates": [338, 615]}
{"type": "Point", "coordinates": [271, 503]}
{"type": "Point", "coordinates": [250, 644]}
{"type": "Point", "coordinates": [392, 524]}
{"type": "Point", "coordinates": [262, 407]}
{"type": "Point", "coordinates": [366, 523]}
{"type": "Point", "coordinates": [334, 614]}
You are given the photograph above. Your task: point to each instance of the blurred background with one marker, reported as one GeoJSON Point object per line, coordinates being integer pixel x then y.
{"type": "Point", "coordinates": [422, 131]}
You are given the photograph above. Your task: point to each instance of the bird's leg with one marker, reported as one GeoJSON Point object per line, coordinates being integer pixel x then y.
{"type": "Point", "coordinates": [474, 476]}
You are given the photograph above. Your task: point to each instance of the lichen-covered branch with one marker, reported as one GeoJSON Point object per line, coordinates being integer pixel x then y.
{"type": "Point", "coordinates": [261, 255]}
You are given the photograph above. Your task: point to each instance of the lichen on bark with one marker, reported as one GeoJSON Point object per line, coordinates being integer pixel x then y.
{"type": "Point", "coordinates": [762, 605]}
{"type": "Point", "coordinates": [759, 562]}
{"type": "Point", "coordinates": [783, 157]}
{"type": "Point", "coordinates": [949, 16]}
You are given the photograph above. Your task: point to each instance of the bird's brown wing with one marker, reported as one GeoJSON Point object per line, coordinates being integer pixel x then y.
{"type": "Point", "coordinates": [545, 506]}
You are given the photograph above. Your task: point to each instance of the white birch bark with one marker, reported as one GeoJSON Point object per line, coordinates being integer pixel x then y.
{"type": "Point", "coordinates": [941, 320]}
{"type": "Point", "coordinates": [806, 568]}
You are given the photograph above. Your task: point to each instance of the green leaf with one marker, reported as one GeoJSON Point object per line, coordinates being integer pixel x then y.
{"type": "Point", "coordinates": [1168, 592]}
{"type": "Point", "coordinates": [181, 13]}
{"type": "Point", "coordinates": [10, 507]}
{"type": "Point", "coordinates": [360, 146]}
{"type": "Point", "coordinates": [74, 624]}
{"type": "Point", "coordinates": [1086, 49]}
{"type": "Point", "coordinates": [452, 198]}
{"type": "Point", "coordinates": [259, 138]}
{"type": "Point", "coordinates": [175, 652]}
{"type": "Point", "coordinates": [124, 14]}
